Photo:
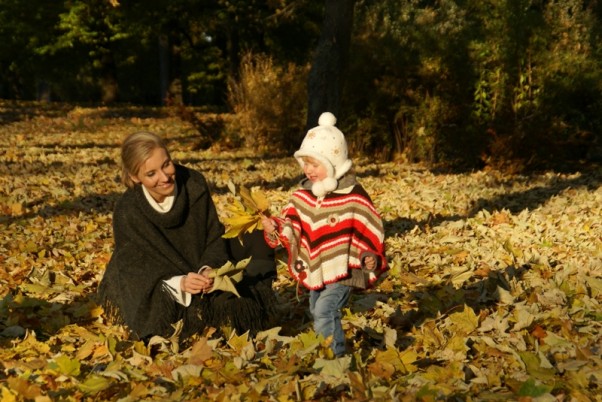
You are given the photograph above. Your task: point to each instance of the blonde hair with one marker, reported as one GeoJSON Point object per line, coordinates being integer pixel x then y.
{"type": "Point", "coordinates": [311, 159]}
{"type": "Point", "coordinates": [135, 150]}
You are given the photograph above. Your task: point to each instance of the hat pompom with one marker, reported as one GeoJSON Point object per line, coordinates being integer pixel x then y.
{"type": "Point", "coordinates": [321, 188]}
{"type": "Point", "coordinates": [327, 119]}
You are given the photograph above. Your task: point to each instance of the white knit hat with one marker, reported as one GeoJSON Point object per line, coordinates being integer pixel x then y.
{"type": "Point", "coordinates": [327, 144]}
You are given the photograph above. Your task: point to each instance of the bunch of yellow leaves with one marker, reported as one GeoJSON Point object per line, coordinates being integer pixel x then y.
{"type": "Point", "coordinates": [228, 275]}
{"type": "Point", "coordinates": [245, 211]}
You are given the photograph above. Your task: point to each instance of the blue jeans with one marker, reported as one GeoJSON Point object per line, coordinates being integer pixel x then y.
{"type": "Point", "coordinates": [325, 307]}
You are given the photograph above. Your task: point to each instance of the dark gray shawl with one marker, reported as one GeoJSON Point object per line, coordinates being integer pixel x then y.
{"type": "Point", "coordinates": [151, 247]}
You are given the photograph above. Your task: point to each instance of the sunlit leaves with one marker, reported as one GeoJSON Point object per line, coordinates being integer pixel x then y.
{"type": "Point", "coordinates": [94, 384]}
{"type": "Point", "coordinates": [465, 322]}
{"type": "Point", "coordinates": [243, 214]}
{"type": "Point", "coordinates": [494, 292]}
{"type": "Point", "coordinates": [66, 366]}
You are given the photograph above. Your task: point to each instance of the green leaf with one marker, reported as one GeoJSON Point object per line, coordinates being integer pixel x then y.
{"type": "Point", "coordinates": [94, 384]}
{"type": "Point", "coordinates": [534, 366]}
{"type": "Point", "coordinates": [532, 389]}
{"type": "Point", "coordinates": [66, 366]}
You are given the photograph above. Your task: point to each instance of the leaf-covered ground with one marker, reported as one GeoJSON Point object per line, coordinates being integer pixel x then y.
{"type": "Point", "coordinates": [494, 292]}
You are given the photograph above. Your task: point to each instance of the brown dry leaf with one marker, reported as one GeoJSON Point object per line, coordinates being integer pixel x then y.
{"type": "Point", "coordinates": [200, 352]}
{"type": "Point", "coordinates": [382, 369]}
{"type": "Point", "coordinates": [139, 391]}
{"type": "Point", "coordinates": [403, 362]}
{"type": "Point", "coordinates": [500, 217]}
{"type": "Point", "coordinates": [483, 270]}
{"type": "Point", "coordinates": [24, 388]}
{"type": "Point", "coordinates": [539, 333]}
{"type": "Point", "coordinates": [460, 257]}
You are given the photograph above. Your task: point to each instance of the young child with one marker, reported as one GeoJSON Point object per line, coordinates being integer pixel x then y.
{"type": "Point", "coordinates": [331, 230]}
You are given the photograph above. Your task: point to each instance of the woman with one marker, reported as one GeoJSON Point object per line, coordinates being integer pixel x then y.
{"type": "Point", "coordinates": [168, 238]}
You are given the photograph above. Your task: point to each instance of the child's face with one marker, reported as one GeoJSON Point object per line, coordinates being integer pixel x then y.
{"type": "Point", "coordinates": [314, 170]}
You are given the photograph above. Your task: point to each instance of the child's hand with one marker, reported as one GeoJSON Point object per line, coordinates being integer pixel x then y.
{"type": "Point", "coordinates": [370, 262]}
{"type": "Point", "coordinates": [268, 224]}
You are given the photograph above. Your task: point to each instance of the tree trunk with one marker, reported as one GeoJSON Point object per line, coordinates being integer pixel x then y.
{"type": "Point", "coordinates": [326, 76]}
{"type": "Point", "coordinates": [176, 84]}
{"type": "Point", "coordinates": [109, 87]}
{"type": "Point", "coordinates": [233, 51]}
{"type": "Point", "coordinates": [163, 67]}
{"type": "Point", "coordinates": [170, 67]}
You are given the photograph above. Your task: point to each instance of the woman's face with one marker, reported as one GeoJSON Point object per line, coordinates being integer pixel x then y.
{"type": "Point", "coordinates": [314, 170]}
{"type": "Point", "coordinates": [157, 174]}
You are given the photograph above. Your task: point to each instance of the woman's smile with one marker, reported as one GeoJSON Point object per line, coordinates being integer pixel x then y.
{"type": "Point", "coordinates": [157, 174]}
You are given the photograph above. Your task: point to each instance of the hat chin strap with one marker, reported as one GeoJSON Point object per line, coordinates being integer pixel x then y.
{"type": "Point", "coordinates": [321, 188]}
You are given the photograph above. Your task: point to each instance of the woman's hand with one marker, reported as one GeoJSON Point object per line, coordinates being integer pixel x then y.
{"type": "Point", "coordinates": [194, 283]}
{"type": "Point", "coordinates": [268, 224]}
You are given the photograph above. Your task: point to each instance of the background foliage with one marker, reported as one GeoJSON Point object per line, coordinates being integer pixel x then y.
{"type": "Point", "coordinates": [507, 84]}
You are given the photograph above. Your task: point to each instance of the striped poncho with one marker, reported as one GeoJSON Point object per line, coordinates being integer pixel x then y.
{"type": "Point", "coordinates": [328, 237]}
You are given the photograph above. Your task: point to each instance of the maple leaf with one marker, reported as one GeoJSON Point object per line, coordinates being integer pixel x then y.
{"type": "Point", "coordinates": [245, 211]}
{"type": "Point", "coordinates": [242, 346]}
{"type": "Point", "coordinates": [66, 366]}
{"type": "Point", "coordinates": [254, 200]}
{"type": "Point", "coordinates": [465, 321]}
{"type": "Point", "coordinates": [200, 352]}
{"type": "Point", "coordinates": [239, 221]}
{"type": "Point", "coordinates": [333, 371]}
{"type": "Point", "coordinates": [24, 388]}
{"type": "Point", "coordinates": [94, 384]}
{"type": "Point", "coordinates": [382, 369]}
{"type": "Point", "coordinates": [6, 395]}
{"type": "Point", "coordinates": [226, 276]}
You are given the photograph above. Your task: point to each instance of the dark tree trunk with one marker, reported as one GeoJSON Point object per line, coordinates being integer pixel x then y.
{"type": "Point", "coordinates": [176, 85]}
{"type": "Point", "coordinates": [233, 51]}
{"type": "Point", "coordinates": [109, 87]}
{"type": "Point", "coordinates": [163, 67]}
{"type": "Point", "coordinates": [43, 92]}
{"type": "Point", "coordinates": [326, 76]}
{"type": "Point", "coordinates": [170, 67]}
